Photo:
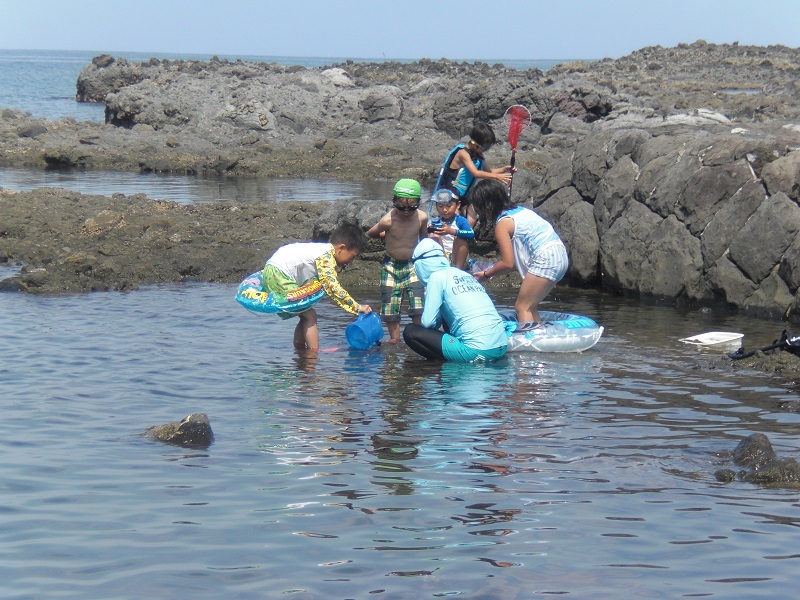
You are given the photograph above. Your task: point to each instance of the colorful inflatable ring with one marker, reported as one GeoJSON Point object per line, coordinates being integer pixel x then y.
{"type": "Point", "coordinates": [558, 332]}
{"type": "Point", "coordinates": [252, 296]}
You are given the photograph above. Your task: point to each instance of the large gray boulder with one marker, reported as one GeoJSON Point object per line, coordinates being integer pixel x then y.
{"type": "Point", "coordinates": [783, 175]}
{"type": "Point", "coordinates": [759, 245]}
{"type": "Point", "coordinates": [624, 245]}
{"type": "Point", "coordinates": [614, 193]}
{"type": "Point", "coordinates": [106, 74]}
{"type": "Point", "coordinates": [729, 221]}
{"type": "Point", "coordinates": [686, 214]}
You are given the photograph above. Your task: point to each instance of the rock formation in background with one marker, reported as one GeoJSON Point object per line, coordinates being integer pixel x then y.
{"type": "Point", "coordinates": [670, 173]}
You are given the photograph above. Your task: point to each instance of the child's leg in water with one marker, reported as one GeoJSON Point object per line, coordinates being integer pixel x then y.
{"type": "Point", "coordinates": [532, 291]}
{"type": "Point", "coordinates": [393, 327]}
{"type": "Point", "coordinates": [306, 334]}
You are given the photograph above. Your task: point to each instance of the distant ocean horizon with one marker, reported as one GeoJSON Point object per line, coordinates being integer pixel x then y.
{"type": "Point", "coordinates": [42, 82]}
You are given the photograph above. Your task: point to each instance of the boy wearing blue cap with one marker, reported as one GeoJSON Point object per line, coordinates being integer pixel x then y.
{"type": "Point", "coordinates": [450, 229]}
{"type": "Point", "coordinates": [401, 228]}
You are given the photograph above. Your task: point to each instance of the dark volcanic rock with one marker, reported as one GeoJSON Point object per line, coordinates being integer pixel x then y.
{"type": "Point", "coordinates": [193, 432]}
{"type": "Point", "coordinates": [745, 83]}
{"type": "Point", "coordinates": [106, 75]}
{"type": "Point", "coordinates": [672, 173]}
{"type": "Point", "coordinates": [754, 451]}
{"type": "Point", "coordinates": [762, 466]}
{"type": "Point", "coordinates": [71, 242]}
{"type": "Point", "coordinates": [684, 214]}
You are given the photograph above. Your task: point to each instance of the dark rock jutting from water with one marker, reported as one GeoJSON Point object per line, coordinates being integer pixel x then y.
{"type": "Point", "coordinates": [760, 464]}
{"type": "Point", "coordinates": [192, 432]}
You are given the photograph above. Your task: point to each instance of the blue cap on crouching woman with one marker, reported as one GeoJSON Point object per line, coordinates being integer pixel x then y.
{"type": "Point", "coordinates": [428, 257]}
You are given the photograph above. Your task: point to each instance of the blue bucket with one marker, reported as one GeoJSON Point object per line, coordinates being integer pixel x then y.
{"type": "Point", "coordinates": [365, 332]}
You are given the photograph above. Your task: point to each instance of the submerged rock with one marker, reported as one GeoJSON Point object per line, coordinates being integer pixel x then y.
{"type": "Point", "coordinates": [193, 432]}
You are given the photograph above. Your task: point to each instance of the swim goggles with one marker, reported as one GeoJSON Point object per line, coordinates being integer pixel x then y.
{"type": "Point", "coordinates": [444, 195]}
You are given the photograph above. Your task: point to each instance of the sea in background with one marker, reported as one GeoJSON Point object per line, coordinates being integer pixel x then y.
{"type": "Point", "coordinates": [371, 474]}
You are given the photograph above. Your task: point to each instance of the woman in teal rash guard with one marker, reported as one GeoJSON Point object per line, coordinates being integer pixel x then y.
{"type": "Point", "coordinates": [454, 300]}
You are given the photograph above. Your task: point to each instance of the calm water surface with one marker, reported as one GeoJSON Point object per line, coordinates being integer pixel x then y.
{"type": "Point", "coordinates": [190, 189]}
{"type": "Point", "coordinates": [376, 474]}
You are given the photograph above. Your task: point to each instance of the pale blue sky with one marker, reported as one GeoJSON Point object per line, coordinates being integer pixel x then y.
{"type": "Point", "coordinates": [487, 29]}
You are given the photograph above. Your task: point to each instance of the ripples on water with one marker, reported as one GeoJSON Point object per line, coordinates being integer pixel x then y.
{"type": "Point", "coordinates": [366, 474]}
{"type": "Point", "coordinates": [376, 474]}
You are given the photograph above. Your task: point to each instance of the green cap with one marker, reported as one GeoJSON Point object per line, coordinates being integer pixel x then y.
{"type": "Point", "coordinates": [407, 188]}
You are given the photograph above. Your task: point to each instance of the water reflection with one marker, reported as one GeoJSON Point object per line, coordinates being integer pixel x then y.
{"type": "Point", "coordinates": [187, 189]}
{"type": "Point", "coordinates": [358, 473]}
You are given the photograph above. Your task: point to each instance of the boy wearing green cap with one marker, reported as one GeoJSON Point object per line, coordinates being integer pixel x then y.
{"type": "Point", "coordinates": [401, 228]}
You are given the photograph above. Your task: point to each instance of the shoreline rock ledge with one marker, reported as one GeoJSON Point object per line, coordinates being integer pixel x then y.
{"type": "Point", "coordinates": [672, 174]}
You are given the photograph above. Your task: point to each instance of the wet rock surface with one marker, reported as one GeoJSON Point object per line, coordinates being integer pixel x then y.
{"type": "Point", "coordinates": [759, 464]}
{"type": "Point", "coordinates": [781, 363]}
{"type": "Point", "coordinates": [192, 432]}
{"type": "Point", "coordinates": [55, 241]}
{"type": "Point", "coordinates": [64, 241]}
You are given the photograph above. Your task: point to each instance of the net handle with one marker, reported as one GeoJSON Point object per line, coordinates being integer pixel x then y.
{"type": "Point", "coordinates": [517, 119]}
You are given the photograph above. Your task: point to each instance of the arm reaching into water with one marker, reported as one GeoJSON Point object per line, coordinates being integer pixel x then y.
{"type": "Point", "coordinates": [503, 234]}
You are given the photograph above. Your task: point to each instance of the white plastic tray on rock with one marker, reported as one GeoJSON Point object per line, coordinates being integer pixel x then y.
{"type": "Point", "coordinates": [718, 340]}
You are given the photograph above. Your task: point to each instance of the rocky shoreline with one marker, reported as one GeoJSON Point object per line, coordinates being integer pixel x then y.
{"type": "Point", "coordinates": [673, 174]}
{"type": "Point", "coordinates": [388, 120]}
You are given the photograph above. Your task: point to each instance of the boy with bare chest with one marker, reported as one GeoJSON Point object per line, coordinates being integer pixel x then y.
{"type": "Point", "coordinates": [401, 228]}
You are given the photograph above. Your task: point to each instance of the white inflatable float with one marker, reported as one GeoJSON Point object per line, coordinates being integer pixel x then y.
{"type": "Point", "coordinates": [558, 332]}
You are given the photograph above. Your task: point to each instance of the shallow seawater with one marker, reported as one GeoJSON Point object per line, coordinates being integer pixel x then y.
{"type": "Point", "coordinates": [375, 473]}
{"type": "Point", "coordinates": [193, 189]}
